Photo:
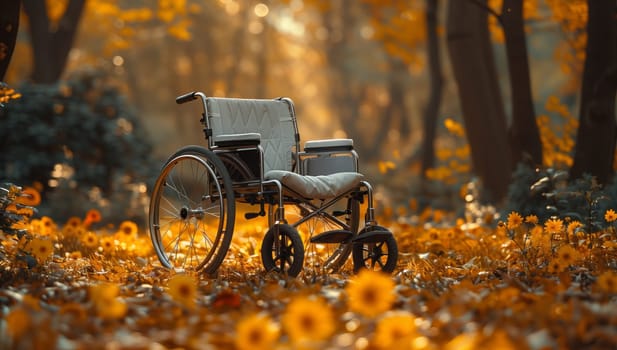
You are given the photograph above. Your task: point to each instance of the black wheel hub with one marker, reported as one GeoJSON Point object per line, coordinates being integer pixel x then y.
{"type": "Point", "coordinates": [377, 251]}
{"type": "Point", "coordinates": [184, 213]}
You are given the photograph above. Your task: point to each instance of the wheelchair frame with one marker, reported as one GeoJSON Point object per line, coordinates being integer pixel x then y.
{"type": "Point", "coordinates": [192, 208]}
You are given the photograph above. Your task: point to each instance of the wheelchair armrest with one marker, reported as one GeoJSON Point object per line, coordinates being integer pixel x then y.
{"type": "Point", "coordinates": [328, 145]}
{"type": "Point", "coordinates": [237, 140]}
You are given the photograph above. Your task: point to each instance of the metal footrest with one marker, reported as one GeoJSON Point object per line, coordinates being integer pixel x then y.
{"type": "Point", "coordinates": [334, 236]}
{"type": "Point", "coordinates": [372, 237]}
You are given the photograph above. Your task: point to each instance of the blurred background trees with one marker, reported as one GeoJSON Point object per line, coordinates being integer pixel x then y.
{"type": "Point", "coordinates": [595, 149]}
{"type": "Point", "coordinates": [51, 37]}
{"type": "Point", "coordinates": [430, 98]}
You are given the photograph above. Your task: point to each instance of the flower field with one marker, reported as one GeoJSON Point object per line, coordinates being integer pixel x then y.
{"type": "Point", "coordinates": [514, 283]}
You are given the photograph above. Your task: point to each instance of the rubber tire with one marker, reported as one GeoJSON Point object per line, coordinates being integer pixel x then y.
{"type": "Point", "coordinates": [270, 257]}
{"type": "Point", "coordinates": [360, 260]}
{"type": "Point", "coordinates": [224, 233]}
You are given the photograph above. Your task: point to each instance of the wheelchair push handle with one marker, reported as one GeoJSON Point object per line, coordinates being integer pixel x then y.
{"type": "Point", "coordinates": [186, 97]}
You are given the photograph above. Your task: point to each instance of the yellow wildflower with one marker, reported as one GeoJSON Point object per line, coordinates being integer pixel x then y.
{"type": "Point", "coordinates": [256, 332]}
{"type": "Point", "coordinates": [35, 225]}
{"type": "Point", "coordinates": [370, 293]}
{"type": "Point", "coordinates": [92, 216]}
{"type": "Point", "coordinates": [73, 222]}
{"type": "Point", "coordinates": [610, 215]}
{"type": "Point", "coordinates": [41, 248]}
{"type": "Point", "coordinates": [48, 226]}
{"type": "Point", "coordinates": [68, 231]}
{"type": "Point", "coordinates": [553, 225]}
{"type": "Point", "coordinates": [79, 231]}
{"type": "Point", "coordinates": [567, 255]}
{"type": "Point", "coordinates": [127, 230]}
{"type": "Point", "coordinates": [514, 220]}
{"type": "Point", "coordinates": [90, 240]}
{"type": "Point", "coordinates": [183, 289]}
{"type": "Point", "coordinates": [18, 321]}
{"type": "Point", "coordinates": [308, 319]}
{"type": "Point", "coordinates": [531, 219]}
{"type": "Point", "coordinates": [572, 226]}
{"type": "Point", "coordinates": [106, 301]}
{"type": "Point", "coordinates": [107, 244]}
{"type": "Point", "coordinates": [433, 235]}
{"type": "Point", "coordinates": [607, 282]}
{"type": "Point", "coordinates": [396, 330]}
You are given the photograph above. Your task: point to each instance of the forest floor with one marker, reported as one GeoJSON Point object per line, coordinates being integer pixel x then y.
{"type": "Point", "coordinates": [519, 284]}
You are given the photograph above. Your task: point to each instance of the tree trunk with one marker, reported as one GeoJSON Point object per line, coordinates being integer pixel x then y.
{"type": "Point", "coordinates": [474, 69]}
{"type": "Point", "coordinates": [523, 134]}
{"type": "Point", "coordinates": [9, 22]}
{"type": "Point", "coordinates": [238, 50]}
{"type": "Point", "coordinates": [261, 80]}
{"type": "Point", "coordinates": [345, 96]}
{"type": "Point", "coordinates": [436, 84]}
{"type": "Point", "coordinates": [395, 107]}
{"type": "Point", "coordinates": [51, 44]}
{"type": "Point", "coordinates": [595, 139]}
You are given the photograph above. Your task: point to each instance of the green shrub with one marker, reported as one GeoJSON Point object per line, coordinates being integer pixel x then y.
{"type": "Point", "coordinates": [548, 192]}
{"type": "Point", "coordinates": [79, 139]}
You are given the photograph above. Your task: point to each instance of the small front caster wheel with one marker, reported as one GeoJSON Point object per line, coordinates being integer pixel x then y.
{"type": "Point", "coordinates": [380, 254]}
{"type": "Point", "coordinates": [282, 250]}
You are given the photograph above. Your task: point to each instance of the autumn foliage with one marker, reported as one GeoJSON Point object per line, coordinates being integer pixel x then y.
{"type": "Point", "coordinates": [539, 274]}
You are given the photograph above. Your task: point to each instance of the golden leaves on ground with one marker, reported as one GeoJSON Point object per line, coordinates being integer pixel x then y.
{"type": "Point", "coordinates": [528, 284]}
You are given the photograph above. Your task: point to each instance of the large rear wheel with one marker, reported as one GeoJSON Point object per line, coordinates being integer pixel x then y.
{"type": "Point", "coordinates": [192, 211]}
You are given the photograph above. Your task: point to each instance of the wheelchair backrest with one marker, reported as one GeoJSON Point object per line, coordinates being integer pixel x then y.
{"type": "Point", "coordinates": [274, 119]}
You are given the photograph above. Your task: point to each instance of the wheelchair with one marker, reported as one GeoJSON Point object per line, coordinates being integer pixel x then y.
{"type": "Point", "coordinates": [312, 197]}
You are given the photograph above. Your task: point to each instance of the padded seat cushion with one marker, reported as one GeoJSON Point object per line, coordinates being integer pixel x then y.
{"type": "Point", "coordinates": [316, 187]}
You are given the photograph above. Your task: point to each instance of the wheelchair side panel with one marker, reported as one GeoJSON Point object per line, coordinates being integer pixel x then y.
{"type": "Point", "coordinates": [326, 163]}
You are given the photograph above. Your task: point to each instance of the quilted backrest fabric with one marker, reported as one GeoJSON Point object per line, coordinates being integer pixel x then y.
{"type": "Point", "coordinates": [273, 119]}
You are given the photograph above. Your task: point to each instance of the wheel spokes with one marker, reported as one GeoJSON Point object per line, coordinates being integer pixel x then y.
{"type": "Point", "coordinates": [374, 254]}
{"type": "Point", "coordinates": [191, 216]}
